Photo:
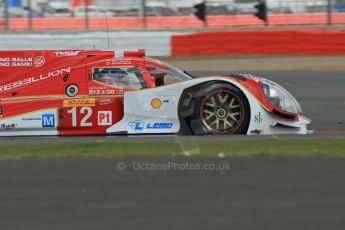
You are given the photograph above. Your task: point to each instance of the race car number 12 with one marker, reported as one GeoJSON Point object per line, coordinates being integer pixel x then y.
{"type": "Point", "coordinates": [84, 121]}
{"type": "Point", "coordinates": [104, 117]}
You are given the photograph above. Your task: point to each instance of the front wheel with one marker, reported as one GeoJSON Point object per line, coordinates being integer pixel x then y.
{"type": "Point", "coordinates": [220, 109]}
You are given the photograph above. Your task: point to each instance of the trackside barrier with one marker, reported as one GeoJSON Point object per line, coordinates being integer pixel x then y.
{"type": "Point", "coordinates": [183, 22]}
{"type": "Point", "coordinates": [303, 42]}
{"type": "Point", "coordinates": [157, 43]}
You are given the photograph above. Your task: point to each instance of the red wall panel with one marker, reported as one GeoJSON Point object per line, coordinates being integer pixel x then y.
{"type": "Point", "coordinates": [307, 42]}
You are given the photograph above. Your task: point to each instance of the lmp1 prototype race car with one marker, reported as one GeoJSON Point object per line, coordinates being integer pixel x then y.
{"type": "Point", "coordinates": [73, 92]}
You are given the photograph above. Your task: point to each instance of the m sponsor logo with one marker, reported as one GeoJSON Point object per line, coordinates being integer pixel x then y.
{"type": "Point", "coordinates": [48, 120]}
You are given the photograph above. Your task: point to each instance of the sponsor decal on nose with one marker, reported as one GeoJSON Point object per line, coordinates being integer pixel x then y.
{"type": "Point", "coordinates": [156, 103]}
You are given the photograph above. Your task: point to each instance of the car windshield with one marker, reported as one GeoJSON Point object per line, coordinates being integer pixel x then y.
{"type": "Point", "coordinates": [166, 74]}
{"type": "Point", "coordinates": [124, 77]}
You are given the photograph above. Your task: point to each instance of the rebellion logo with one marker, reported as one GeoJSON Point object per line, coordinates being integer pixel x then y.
{"type": "Point", "coordinates": [30, 80]}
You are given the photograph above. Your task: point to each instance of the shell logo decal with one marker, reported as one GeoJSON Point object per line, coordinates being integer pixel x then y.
{"type": "Point", "coordinates": [156, 103]}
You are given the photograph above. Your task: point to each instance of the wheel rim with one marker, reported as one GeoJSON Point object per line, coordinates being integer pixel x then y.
{"type": "Point", "coordinates": [222, 112]}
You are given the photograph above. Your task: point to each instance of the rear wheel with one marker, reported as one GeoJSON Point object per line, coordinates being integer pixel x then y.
{"type": "Point", "coordinates": [220, 109]}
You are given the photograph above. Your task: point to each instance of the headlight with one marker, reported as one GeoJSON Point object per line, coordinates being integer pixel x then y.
{"type": "Point", "coordinates": [280, 97]}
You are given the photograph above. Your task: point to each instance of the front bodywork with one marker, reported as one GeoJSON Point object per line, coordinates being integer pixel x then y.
{"type": "Point", "coordinates": [140, 117]}
{"type": "Point", "coordinates": [34, 98]}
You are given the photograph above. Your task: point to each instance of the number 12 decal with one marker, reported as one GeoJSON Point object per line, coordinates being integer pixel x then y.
{"type": "Point", "coordinates": [84, 121]}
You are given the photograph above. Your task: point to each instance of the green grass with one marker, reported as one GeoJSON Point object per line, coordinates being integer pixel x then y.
{"type": "Point", "coordinates": [272, 147]}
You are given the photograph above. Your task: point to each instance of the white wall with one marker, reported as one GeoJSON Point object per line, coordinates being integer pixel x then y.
{"type": "Point", "coordinates": [155, 43]}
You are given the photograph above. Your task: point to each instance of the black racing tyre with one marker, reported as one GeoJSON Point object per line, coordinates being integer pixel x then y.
{"type": "Point", "coordinates": [220, 109]}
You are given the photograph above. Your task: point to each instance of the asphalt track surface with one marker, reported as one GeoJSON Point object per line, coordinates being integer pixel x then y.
{"type": "Point", "coordinates": [255, 193]}
{"type": "Point", "coordinates": [251, 193]}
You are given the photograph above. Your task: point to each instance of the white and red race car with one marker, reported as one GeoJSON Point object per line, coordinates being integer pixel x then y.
{"type": "Point", "coordinates": [90, 92]}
